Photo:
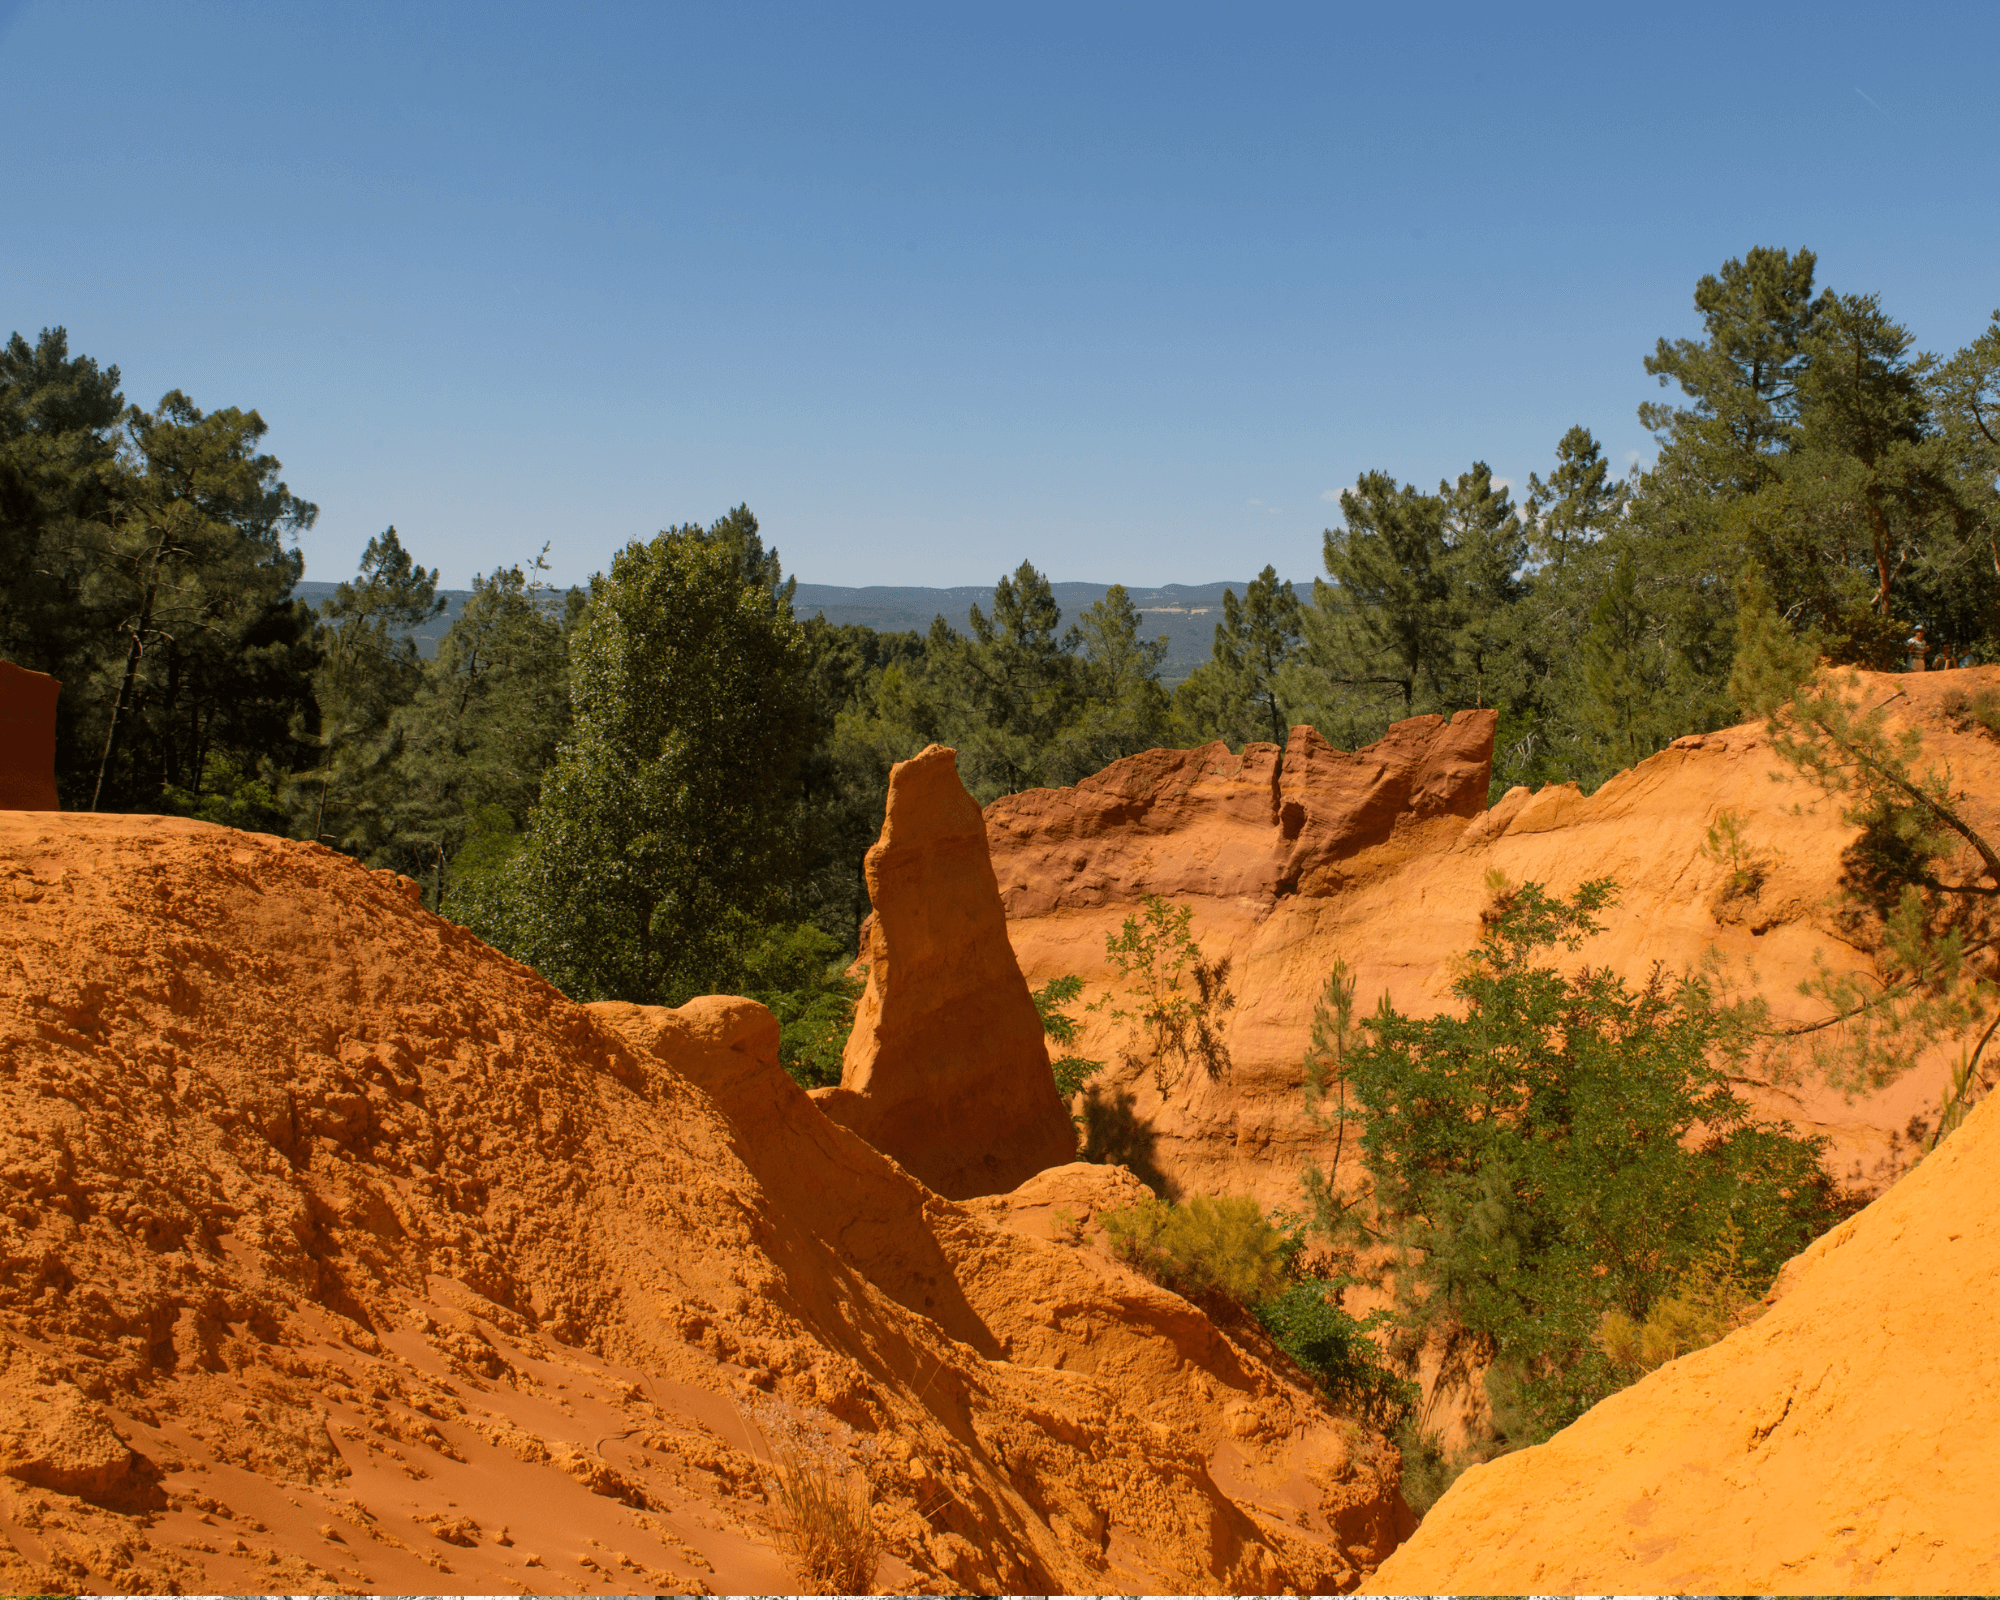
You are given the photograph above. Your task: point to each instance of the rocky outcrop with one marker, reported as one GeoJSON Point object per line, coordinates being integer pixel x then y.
{"type": "Point", "coordinates": [1397, 895]}
{"type": "Point", "coordinates": [946, 1069]}
{"type": "Point", "coordinates": [338, 1251]}
{"type": "Point", "coordinates": [1843, 1443]}
{"type": "Point", "coordinates": [1258, 826]}
{"type": "Point", "coordinates": [27, 739]}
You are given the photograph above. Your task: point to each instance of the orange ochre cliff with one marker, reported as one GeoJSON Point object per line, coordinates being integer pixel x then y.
{"type": "Point", "coordinates": [1381, 857]}
{"type": "Point", "coordinates": [338, 1251]}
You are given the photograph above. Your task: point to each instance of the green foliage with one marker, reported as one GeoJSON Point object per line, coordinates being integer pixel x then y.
{"type": "Point", "coordinates": [1203, 1247]}
{"type": "Point", "coordinates": [1234, 696]}
{"type": "Point", "coordinates": [1071, 1072]}
{"type": "Point", "coordinates": [1708, 1298]}
{"type": "Point", "coordinates": [142, 562]}
{"type": "Point", "coordinates": [1726, 844]}
{"type": "Point", "coordinates": [1174, 995]}
{"type": "Point", "coordinates": [1919, 881]}
{"type": "Point", "coordinates": [482, 726]}
{"type": "Point", "coordinates": [1308, 1323]}
{"type": "Point", "coordinates": [672, 807]}
{"type": "Point", "coordinates": [1569, 1146]}
{"type": "Point", "coordinates": [368, 670]}
{"type": "Point", "coordinates": [800, 972]}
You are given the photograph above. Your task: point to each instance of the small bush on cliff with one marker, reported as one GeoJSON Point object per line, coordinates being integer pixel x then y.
{"type": "Point", "coordinates": [1212, 1248]}
{"type": "Point", "coordinates": [1569, 1147]}
{"type": "Point", "coordinates": [1308, 1323]}
{"type": "Point", "coordinates": [1205, 1246]}
{"type": "Point", "coordinates": [800, 972]}
{"type": "Point", "coordinates": [1175, 994]}
{"type": "Point", "coordinates": [1071, 1072]}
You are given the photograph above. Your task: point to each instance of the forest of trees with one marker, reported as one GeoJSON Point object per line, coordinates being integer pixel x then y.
{"type": "Point", "coordinates": [664, 783]}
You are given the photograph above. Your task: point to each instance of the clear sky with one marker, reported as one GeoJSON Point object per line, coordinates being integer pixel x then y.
{"type": "Point", "coordinates": [1129, 291]}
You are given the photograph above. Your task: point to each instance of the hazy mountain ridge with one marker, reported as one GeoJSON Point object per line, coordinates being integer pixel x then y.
{"type": "Point", "coordinates": [1186, 613]}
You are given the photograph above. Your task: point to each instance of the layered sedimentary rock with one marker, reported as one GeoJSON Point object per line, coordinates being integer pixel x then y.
{"type": "Point", "coordinates": [27, 739]}
{"type": "Point", "coordinates": [1846, 1442]}
{"type": "Point", "coordinates": [338, 1251]}
{"type": "Point", "coordinates": [946, 1069]}
{"type": "Point", "coordinates": [1384, 863]}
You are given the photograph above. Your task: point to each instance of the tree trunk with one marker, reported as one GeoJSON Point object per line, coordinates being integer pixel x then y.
{"type": "Point", "coordinates": [124, 696]}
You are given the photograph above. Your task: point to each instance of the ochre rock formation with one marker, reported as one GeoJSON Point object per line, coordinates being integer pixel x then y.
{"type": "Point", "coordinates": [1843, 1443]}
{"type": "Point", "coordinates": [1204, 823]}
{"type": "Point", "coordinates": [1388, 871]}
{"type": "Point", "coordinates": [27, 739]}
{"type": "Point", "coordinates": [946, 1069]}
{"type": "Point", "coordinates": [339, 1251]}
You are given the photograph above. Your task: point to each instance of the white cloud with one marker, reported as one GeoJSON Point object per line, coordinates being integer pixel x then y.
{"type": "Point", "coordinates": [1330, 494]}
{"type": "Point", "coordinates": [1504, 483]}
{"type": "Point", "coordinates": [1253, 502]}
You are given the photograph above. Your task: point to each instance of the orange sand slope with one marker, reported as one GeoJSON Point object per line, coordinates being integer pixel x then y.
{"type": "Point", "coordinates": [1380, 858]}
{"type": "Point", "coordinates": [338, 1250]}
{"type": "Point", "coordinates": [1845, 1442]}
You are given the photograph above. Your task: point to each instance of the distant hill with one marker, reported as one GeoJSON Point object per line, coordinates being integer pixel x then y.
{"type": "Point", "coordinates": [430, 633]}
{"type": "Point", "coordinates": [1185, 612]}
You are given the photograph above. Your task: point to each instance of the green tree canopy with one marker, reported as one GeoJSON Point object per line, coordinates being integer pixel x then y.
{"type": "Point", "coordinates": [668, 822]}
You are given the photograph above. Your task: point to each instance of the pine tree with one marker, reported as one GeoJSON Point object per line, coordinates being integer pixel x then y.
{"type": "Point", "coordinates": [1255, 638]}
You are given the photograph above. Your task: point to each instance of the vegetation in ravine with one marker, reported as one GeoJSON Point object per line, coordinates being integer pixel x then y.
{"type": "Point", "coordinates": [1560, 1175]}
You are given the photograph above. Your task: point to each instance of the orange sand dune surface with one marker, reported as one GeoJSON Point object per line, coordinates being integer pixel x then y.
{"type": "Point", "coordinates": [339, 1251]}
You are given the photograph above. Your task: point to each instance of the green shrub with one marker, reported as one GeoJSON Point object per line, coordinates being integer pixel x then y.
{"type": "Point", "coordinates": [1071, 1072]}
{"type": "Point", "coordinates": [1561, 1161]}
{"type": "Point", "coordinates": [1174, 995]}
{"type": "Point", "coordinates": [1204, 1247]}
{"type": "Point", "coordinates": [1308, 1323]}
{"type": "Point", "coordinates": [800, 972]}
{"type": "Point", "coordinates": [1428, 1467]}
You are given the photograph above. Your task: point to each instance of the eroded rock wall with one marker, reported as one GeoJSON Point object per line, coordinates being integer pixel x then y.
{"type": "Point", "coordinates": [27, 739]}
{"type": "Point", "coordinates": [1387, 871]}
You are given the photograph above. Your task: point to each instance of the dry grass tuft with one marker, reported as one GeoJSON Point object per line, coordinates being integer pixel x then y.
{"type": "Point", "coordinates": [823, 1503]}
{"type": "Point", "coordinates": [823, 1517]}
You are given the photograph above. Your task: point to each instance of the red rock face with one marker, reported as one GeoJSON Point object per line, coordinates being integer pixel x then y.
{"type": "Point", "coordinates": [1259, 826]}
{"type": "Point", "coordinates": [27, 739]}
{"type": "Point", "coordinates": [946, 1070]}
{"type": "Point", "coordinates": [1379, 859]}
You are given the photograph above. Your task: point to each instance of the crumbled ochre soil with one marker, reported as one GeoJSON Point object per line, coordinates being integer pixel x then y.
{"type": "Point", "coordinates": [339, 1252]}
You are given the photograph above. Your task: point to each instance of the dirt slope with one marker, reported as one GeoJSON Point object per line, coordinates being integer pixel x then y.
{"type": "Point", "coordinates": [1845, 1442]}
{"type": "Point", "coordinates": [1396, 890]}
{"type": "Point", "coordinates": [338, 1251]}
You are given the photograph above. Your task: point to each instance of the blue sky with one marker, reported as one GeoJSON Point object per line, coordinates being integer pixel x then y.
{"type": "Point", "coordinates": [1127, 291]}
